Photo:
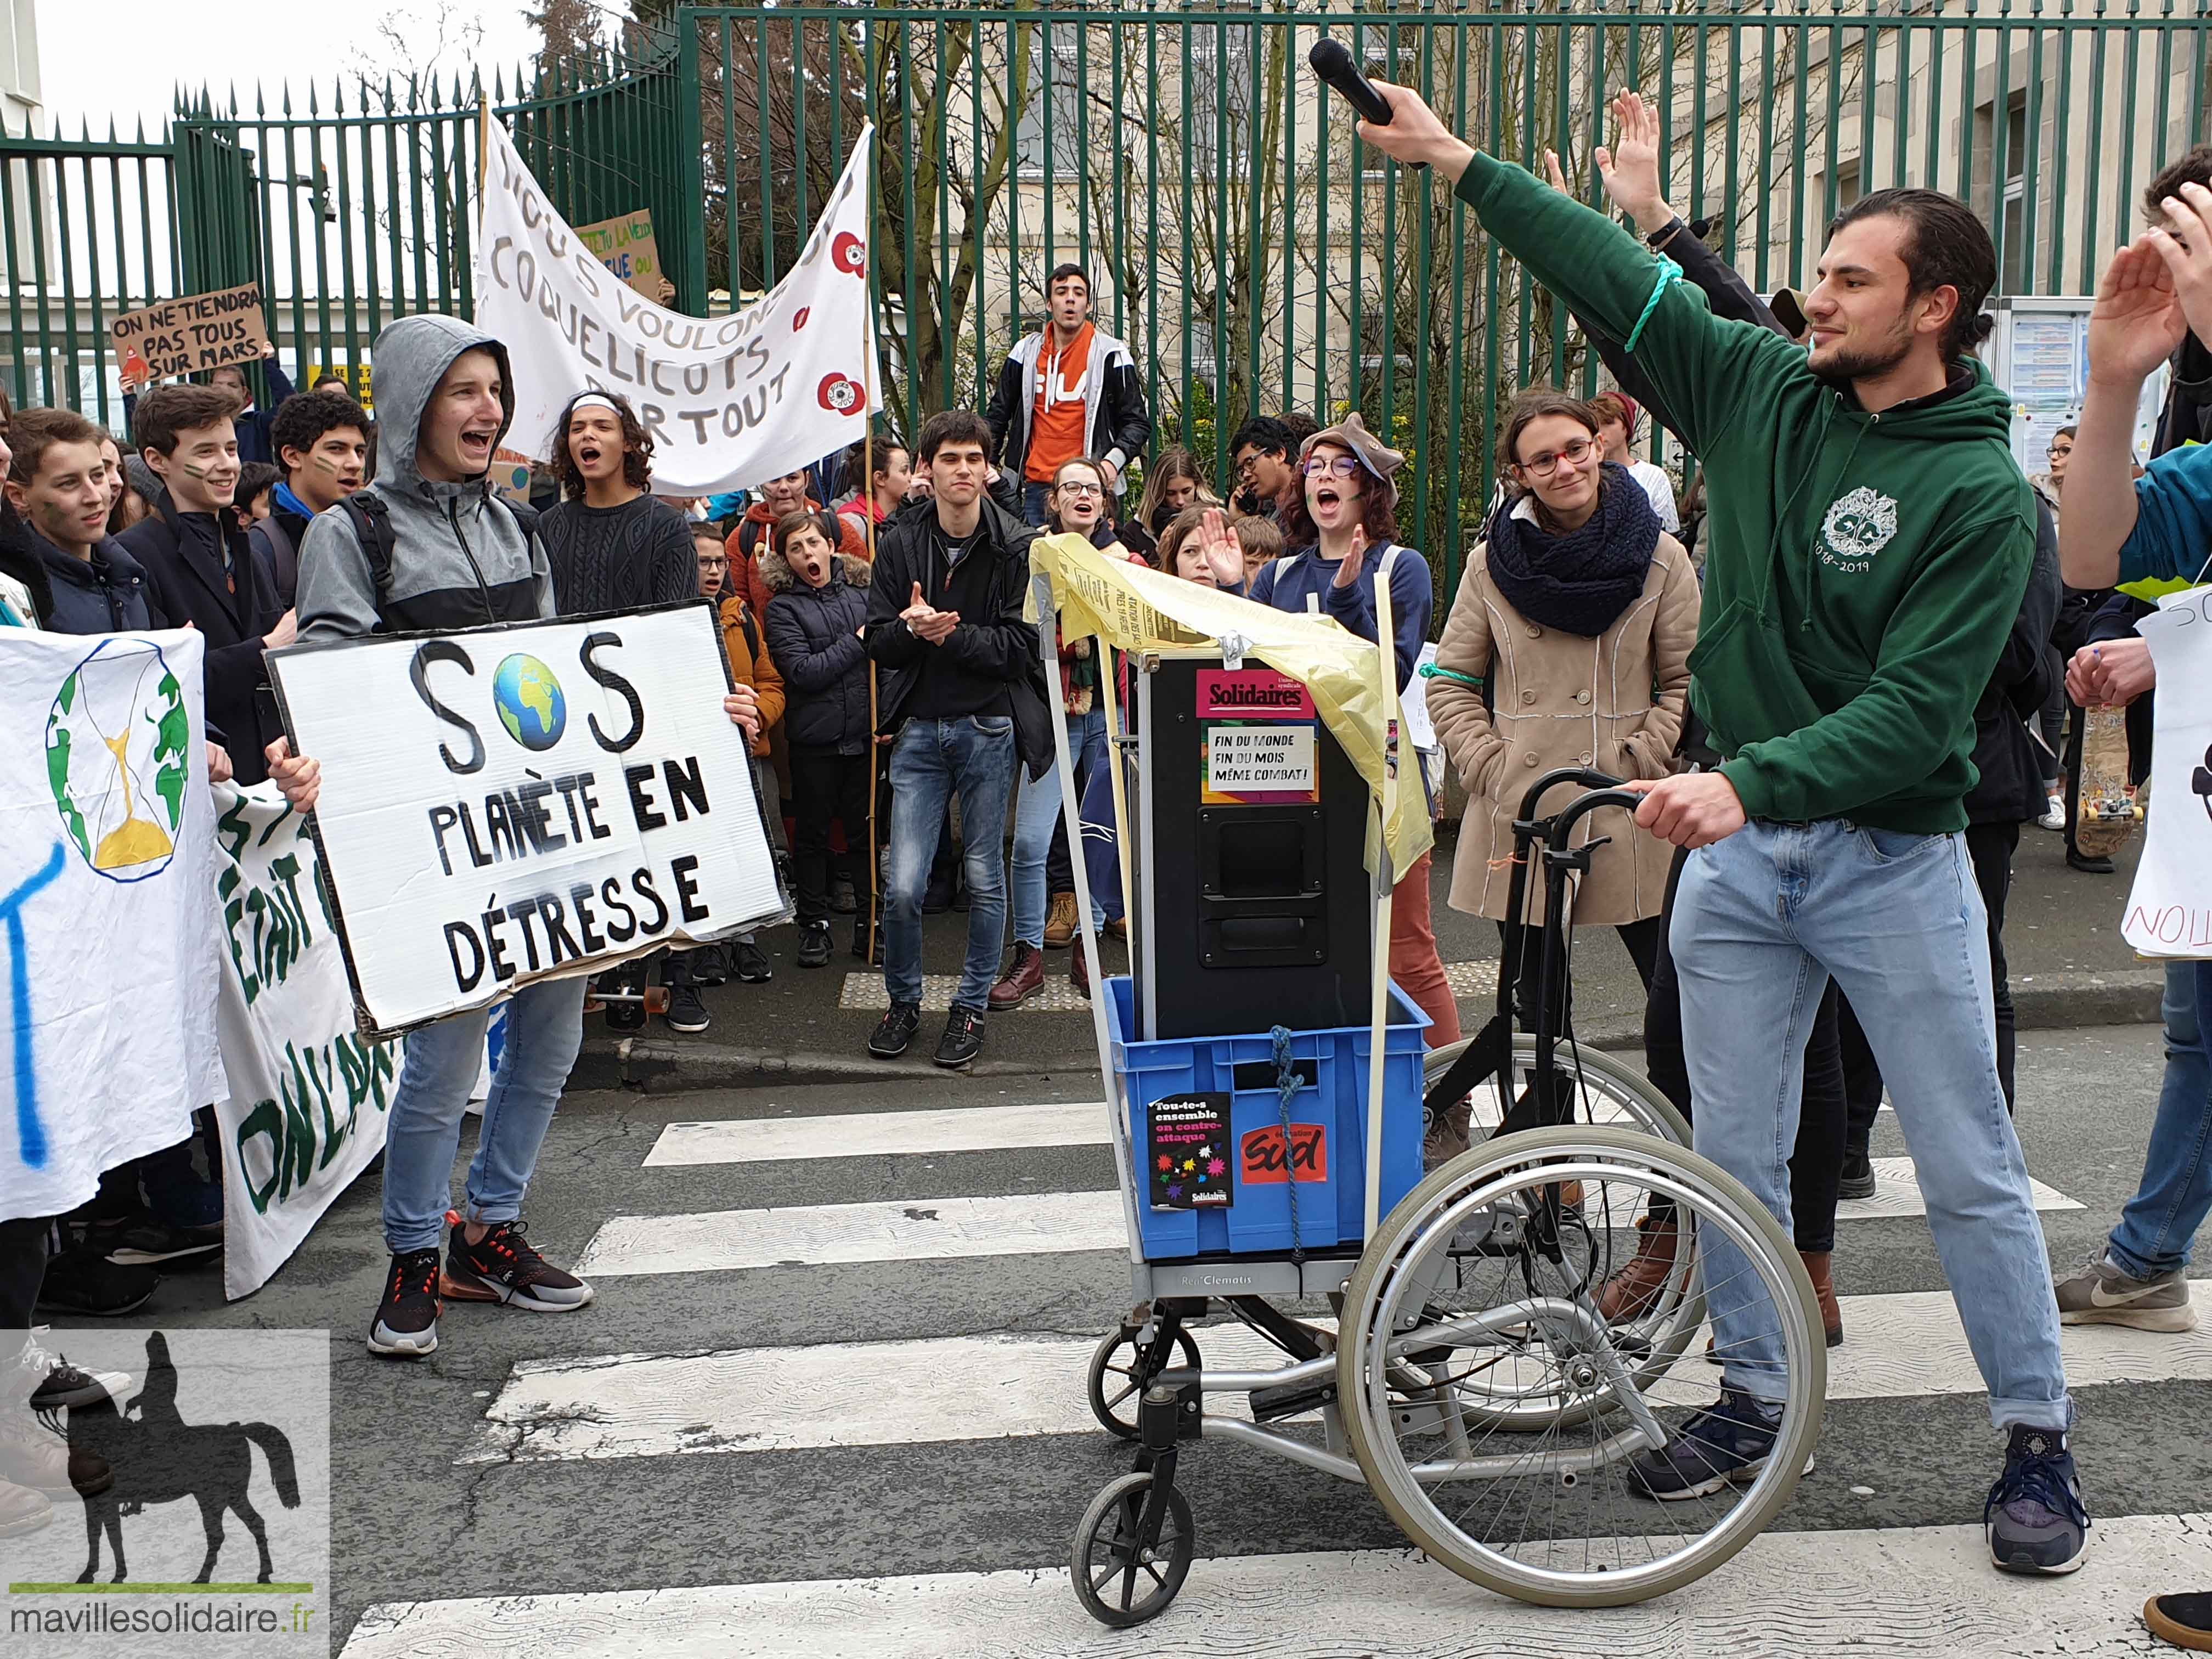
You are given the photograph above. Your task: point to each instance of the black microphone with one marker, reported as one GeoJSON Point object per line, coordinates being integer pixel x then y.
{"type": "Point", "coordinates": [1333, 65]}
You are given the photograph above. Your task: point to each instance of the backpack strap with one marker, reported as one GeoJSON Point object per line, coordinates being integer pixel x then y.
{"type": "Point", "coordinates": [372, 529]}
{"type": "Point", "coordinates": [752, 634]}
{"type": "Point", "coordinates": [283, 557]}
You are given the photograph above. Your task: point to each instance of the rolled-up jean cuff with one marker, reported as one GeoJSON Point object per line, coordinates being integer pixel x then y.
{"type": "Point", "coordinates": [2008, 1414]}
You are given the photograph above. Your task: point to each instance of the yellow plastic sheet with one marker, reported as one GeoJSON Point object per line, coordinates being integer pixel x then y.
{"type": "Point", "coordinates": [1134, 608]}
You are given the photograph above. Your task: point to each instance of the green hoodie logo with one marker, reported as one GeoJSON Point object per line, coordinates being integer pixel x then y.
{"type": "Point", "coordinates": [1858, 526]}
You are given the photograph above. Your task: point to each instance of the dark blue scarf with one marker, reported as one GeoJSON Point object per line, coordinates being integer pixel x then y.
{"type": "Point", "coordinates": [1580, 580]}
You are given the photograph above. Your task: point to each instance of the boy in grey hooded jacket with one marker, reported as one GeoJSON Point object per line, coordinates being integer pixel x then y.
{"type": "Point", "coordinates": [458, 557]}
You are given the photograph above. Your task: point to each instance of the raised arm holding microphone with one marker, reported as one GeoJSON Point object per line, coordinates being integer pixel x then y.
{"type": "Point", "coordinates": [1869, 541]}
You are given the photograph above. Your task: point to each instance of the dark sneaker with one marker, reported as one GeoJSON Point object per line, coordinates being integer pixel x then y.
{"type": "Point", "coordinates": [1856, 1179]}
{"type": "Point", "coordinates": [873, 957]}
{"type": "Point", "coordinates": [1725, 1444]}
{"type": "Point", "coordinates": [814, 944]}
{"type": "Point", "coordinates": [2034, 1517]}
{"type": "Point", "coordinates": [843, 899]}
{"type": "Point", "coordinates": [2087, 865]}
{"type": "Point", "coordinates": [505, 1267]}
{"type": "Point", "coordinates": [83, 1280]}
{"type": "Point", "coordinates": [55, 1384]}
{"type": "Point", "coordinates": [147, 1241]}
{"type": "Point", "coordinates": [962, 1040]}
{"type": "Point", "coordinates": [406, 1325]}
{"type": "Point", "coordinates": [687, 1011]}
{"type": "Point", "coordinates": [2183, 1620]}
{"type": "Point", "coordinates": [2100, 1293]}
{"type": "Point", "coordinates": [895, 1030]}
{"type": "Point", "coordinates": [1024, 978]}
{"type": "Point", "coordinates": [753, 967]}
{"type": "Point", "coordinates": [710, 965]}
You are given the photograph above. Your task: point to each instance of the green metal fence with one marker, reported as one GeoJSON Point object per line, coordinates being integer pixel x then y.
{"type": "Point", "coordinates": [1257, 257]}
{"type": "Point", "coordinates": [1253, 252]}
{"type": "Point", "coordinates": [348, 205]}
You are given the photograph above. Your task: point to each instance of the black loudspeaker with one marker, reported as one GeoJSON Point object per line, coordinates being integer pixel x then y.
{"type": "Point", "coordinates": [1254, 907]}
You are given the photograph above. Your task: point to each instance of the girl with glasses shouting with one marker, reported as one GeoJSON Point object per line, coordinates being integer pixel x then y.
{"type": "Point", "coordinates": [1339, 523]}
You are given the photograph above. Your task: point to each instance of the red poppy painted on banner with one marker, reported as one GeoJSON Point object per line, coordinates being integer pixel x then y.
{"type": "Point", "coordinates": [841, 393]}
{"type": "Point", "coordinates": [799, 318]}
{"type": "Point", "coordinates": [849, 253]}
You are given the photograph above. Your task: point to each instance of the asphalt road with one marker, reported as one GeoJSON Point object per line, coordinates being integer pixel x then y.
{"type": "Point", "coordinates": [876, 1464]}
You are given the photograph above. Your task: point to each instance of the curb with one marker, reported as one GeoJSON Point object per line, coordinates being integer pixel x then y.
{"type": "Point", "coordinates": [657, 1066]}
{"type": "Point", "coordinates": [2044, 1002]}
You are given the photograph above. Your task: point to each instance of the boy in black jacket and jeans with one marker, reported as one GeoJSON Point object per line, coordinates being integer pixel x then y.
{"type": "Point", "coordinates": [960, 682]}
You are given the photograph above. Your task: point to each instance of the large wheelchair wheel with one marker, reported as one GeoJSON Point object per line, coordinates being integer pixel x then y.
{"type": "Point", "coordinates": [1664, 1314]}
{"type": "Point", "coordinates": [1500, 1420]}
{"type": "Point", "coordinates": [1606, 1092]}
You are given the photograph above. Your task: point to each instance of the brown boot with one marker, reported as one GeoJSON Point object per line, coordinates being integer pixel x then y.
{"type": "Point", "coordinates": [1447, 1135]}
{"type": "Point", "coordinates": [1060, 922]}
{"type": "Point", "coordinates": [1629, 1293]}
{"type": "Point", "coordinates": [1824, 1291]}
{"type": "Point", "coordinates": [1025, 976]}
{"type": "Point", "coordinates": [1078, 974]}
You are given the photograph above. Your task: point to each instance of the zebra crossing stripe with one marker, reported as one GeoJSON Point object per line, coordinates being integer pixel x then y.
{"type": "Point", "coordinates": [939, 1229]}
{"type": "Point", "coordinates": [865, 1135]}
{"type": "Point", "coordinates": [989, 1387]}
{"type": "Point", "coordinates": [1812, 1595]}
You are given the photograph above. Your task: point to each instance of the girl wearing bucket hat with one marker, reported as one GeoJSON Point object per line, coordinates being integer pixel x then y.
{"type": "Point", "coordinates": [1339, 526]}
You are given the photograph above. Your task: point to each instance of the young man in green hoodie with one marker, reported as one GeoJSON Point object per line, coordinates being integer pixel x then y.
{"type": "Point", "coordinates": [1871, 539]}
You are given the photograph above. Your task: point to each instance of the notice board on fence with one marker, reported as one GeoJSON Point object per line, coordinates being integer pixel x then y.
{"type": "Point", "coordinates": [524, 802]}
{"type": "Point", "coordinates": [189, 335]}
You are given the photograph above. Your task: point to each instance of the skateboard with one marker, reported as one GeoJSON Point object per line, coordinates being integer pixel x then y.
{"type": "Point", "coordinates": [2106, 811]}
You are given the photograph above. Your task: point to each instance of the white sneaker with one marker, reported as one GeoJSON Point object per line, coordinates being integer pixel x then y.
{"type": "Point", "coordinates": [2055, 818]}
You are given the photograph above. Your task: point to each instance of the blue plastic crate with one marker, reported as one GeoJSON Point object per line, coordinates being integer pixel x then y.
{"type": "Point", "coordinates": [1331, 1178]}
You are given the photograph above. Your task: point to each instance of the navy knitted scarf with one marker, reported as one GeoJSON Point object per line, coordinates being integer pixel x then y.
{"type": "Point", "coordinates": [1580, 580]}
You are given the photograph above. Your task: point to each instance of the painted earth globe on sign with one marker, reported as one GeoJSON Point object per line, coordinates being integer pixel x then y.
{"type": "Point", "coordinates": [529, 700]}
{"type": "Point", "coordinates": [119, 759]}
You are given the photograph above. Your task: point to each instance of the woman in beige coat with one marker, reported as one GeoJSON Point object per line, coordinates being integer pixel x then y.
{"type": "Point", "coordinates": [1568, 645]}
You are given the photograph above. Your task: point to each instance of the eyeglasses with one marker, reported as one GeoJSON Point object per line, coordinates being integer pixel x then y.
{"type": "Point", "coordinates": [2059, 452]}
{"type": "Point", "coordinates": [1548, 462]}
{"type": "Point", "coordinates": [717, 562]}
{"type": "Point", "coordinates": [1339, 466]}
{"type": "Point", "coordinates": [1071, 488]}
{"type": "Point", "coordinates": [1250, 460]}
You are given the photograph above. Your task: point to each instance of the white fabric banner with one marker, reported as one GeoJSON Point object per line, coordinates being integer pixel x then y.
{"type": "Point", "coordinates": [729, 401]}
{"type": "Point", "coordinates": [530, 801]}
{"type": "Point", "coordinates": [308, 1098]}
{"type": "Point", "coordinates": [2170, 910]}
{"type": "Point", "coordinates": [107, 941]}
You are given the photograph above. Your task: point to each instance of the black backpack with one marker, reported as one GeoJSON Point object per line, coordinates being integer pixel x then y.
{"type": "Point", "coordinates": [372, 527]}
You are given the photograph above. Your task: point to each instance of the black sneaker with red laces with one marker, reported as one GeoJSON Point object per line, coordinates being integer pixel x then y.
{"type": "Point", "coordinates": [406, 1325]}
{"type": "Point", "coordinates": [503, 1266]}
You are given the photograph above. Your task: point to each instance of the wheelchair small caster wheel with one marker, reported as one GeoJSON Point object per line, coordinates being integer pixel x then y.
{"type": "Point", "coordinates": [1116, 1383]}
{"type": "Point", "coordinates": [1123, 1572]}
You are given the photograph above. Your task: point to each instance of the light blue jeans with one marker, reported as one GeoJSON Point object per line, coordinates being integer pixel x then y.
{"type": "Point", "coordinates": [2161, 1221]}
{"type": "Point", "coordinates": [1761, 921]}
{"type": "Point", "coordinates": [973, 756]}
{"type": "Point", "coordinates": [1036, 813]}
{"type": "Point", "coordinates": [545, 1030]}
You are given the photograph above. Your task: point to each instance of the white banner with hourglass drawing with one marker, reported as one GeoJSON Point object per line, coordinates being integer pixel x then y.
{"type": "Point", "coordinates": [108, 965]}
